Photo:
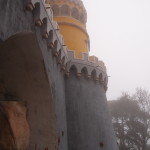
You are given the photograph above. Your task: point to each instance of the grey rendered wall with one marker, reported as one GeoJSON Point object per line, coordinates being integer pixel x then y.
{"type": "Point", "coordinates": [57, 84]}
{"type": "Point", "coordinates": [16, 20]}
{"type": "Point", "coordinates": [88, 120]}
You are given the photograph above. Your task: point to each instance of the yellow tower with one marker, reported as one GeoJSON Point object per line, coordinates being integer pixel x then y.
{"type": "Point", "coordinates": [71, 17]}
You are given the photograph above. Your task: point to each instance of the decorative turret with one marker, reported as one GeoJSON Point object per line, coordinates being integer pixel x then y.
{"type": "Point", "coordinates": [71, 17]}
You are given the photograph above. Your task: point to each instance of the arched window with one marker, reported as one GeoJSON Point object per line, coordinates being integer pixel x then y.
{"type": "Point", "coordinates": [82, 18]}
{"type": "Point", "coordinates": [55, 9]}
{"type": "Point", "coordinates": [100, 77]}
{"type": "Point", "coordinates": [93, 74]}
{"type": "Point", "coordinates": [84, 72]}
{"type": "Point", "coordinates": [73, 70]}
{"type": "Point", "coordinates": [65, 10]}
{"type": "Point", "coordinates": [75, 13]}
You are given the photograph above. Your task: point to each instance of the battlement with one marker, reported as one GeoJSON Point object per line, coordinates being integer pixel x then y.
{"type": "Point", "coordinates": [84, 57]}
{"type": "Point", "coordinates": [87, 65]}
{"type": "Point", "coordinates": [62, 91]}
{"type": "Point", "coordinates": [43, 18]}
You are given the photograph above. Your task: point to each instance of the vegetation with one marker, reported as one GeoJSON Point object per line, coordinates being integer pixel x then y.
{"type": "Point", "coordinates": [131, 120]}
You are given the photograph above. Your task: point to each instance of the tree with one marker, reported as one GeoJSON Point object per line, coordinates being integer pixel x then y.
{"type": "Point", "coordinates": [131, 120]}
{"type": "Point", "coordinates": [143, 98]}
{"type": "Point", "coordinates": [123, 111]}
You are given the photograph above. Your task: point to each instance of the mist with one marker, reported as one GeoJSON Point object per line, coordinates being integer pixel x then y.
{"type": "Point", "coordinates": [119, 33]}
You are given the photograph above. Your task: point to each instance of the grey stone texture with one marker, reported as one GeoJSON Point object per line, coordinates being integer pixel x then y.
{"type": "Point", "coordinates": [64, 113]}
{"type": "Point", "coordinates": [88, 118]}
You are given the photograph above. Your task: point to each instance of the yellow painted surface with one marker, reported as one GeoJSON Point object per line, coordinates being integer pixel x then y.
{"type": "Point", "coordinates": [74, 38]}
{"type": "Point", "coordinates": [73, 31]}
{"type": "Point", "coordinates": [70, 20]}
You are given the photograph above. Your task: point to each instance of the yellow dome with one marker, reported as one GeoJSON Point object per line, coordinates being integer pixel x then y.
{"type": "Point", "coordinates": [71, 17]}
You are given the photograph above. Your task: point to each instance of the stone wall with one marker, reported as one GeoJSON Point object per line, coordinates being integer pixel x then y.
{"type": "Point", "coordinates": [29, 70]}
{"type": "Point", "coordinates": [88, 119]}
{"type": "Point", "coordinates": [33, 63]}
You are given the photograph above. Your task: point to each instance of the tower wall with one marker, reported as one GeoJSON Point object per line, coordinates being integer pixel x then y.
{"type": "Point", "coordinates": [75, 37]}
{"type": "Point", "coordinates": [71, 18]}
{"type": "Point", "coordinates": [88, 120]}
{"type": "Point", "coordinates": [31, 68]}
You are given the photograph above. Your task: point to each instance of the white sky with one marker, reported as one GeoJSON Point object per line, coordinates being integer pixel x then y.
{"type": "Point", "coordinates": [119, 32]}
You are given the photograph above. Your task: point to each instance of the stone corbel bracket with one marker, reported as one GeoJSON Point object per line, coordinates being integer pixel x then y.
{"type": "Point", "coordinates": [89, 67]}
{"type": "Point", "coordinates": [43, 18]}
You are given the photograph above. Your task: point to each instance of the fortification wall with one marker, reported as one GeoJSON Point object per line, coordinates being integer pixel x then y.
{"type": "Point", "coordinates": [88, 119]}
{"type": "Point", "coordinates": [32, 64]}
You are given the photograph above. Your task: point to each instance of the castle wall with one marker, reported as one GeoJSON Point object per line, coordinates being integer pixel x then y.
{"type": "Point", "coordinates": [33, 61]}
{"type": "Point", "coordinates": [57, 84]}
{"type": "Point", "coordinates": [89, 122]}
{"type": "Point", "coordinates": [30, 71]}
{"type": "Point", "coordinates": [14, 18]}
{"type": "Point", "coordinates": [23, 74]}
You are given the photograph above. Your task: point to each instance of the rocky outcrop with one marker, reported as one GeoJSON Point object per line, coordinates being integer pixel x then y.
{"type": "Point", "coordinates": [14, 128]}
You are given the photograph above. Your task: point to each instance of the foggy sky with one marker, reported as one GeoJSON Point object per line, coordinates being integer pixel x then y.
{"type": "Point", "coordinates": [119, 33]}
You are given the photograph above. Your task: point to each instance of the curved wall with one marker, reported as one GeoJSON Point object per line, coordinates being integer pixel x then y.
{"type": "Point", "coordinates": [88, 119]}
{"type": "Point", "coordinates": [32, 67]}
{"type": "Point", "coordinates": [71, 18]}
{"type": "Point", "coordinates": [23, 74]}
{"type": "Point", "coordinates": [31, 72]}
{"type": "Point", "coordinates": [74, 38]}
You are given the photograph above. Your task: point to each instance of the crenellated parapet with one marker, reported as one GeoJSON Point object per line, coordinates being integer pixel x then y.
{"type": "Point", "coordinates": [62, 86]}
{"type": "Point", "coordinates": [43, 18]}
{"type": "Point", "coordinates": [89, 67]}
